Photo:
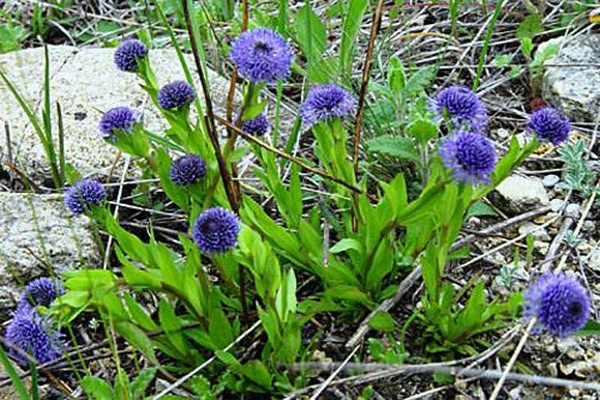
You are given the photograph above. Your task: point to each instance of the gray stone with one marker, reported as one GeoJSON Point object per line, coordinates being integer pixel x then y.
{"type": "Point", "coordinates": [550, 180]}
{"type": "Point", "coordinates": [556, 205]}
{"type": "Point", "coordinates": [573, 210]}
{"type": "Point", "coordinates": [39, 238]}
{"type": "Point", "coordinates": [593, 259]}
{"type": "Point", "coordinates": [536, 231]}
{"type": "Point", "coordinates": [86, 83]}
{"type": "Point", "coordinates": [574, 89]}
{"type": "Point", "coordinates": [518, 194]}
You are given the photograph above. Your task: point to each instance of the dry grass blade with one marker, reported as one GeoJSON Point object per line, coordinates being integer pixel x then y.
{"type": "Point", "coordinates": [288, 156]}
{"type": "Point", "coordinates": [365, 81]}
{"type": "Point", "coordinates": [210, 117]}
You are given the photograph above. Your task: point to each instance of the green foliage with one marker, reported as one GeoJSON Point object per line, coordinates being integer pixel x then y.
{"type": "Point", "coordinates": [579, 176]}
{"type": "Point", "coordinates": [43, 126]}
{"type": "Point", "coordinates": [340, 248]}
{"type": "Point", "coordinates": [98, 389]}
{"type": "Point", "coordinates": [17, 381]}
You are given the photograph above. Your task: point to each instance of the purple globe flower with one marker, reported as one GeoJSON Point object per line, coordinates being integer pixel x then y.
{"type": "Point", "coordinates": [118, 119]}
{"type": "Point", "coordinates": [175, 95]}
{"type": "Point", "coordinates": [216, 230]}
{"type": "Point", "coordinates": [33, 335]}
{"type": "Point", "coordinates": [324, 102]}
{"type": "Point", "coordinates": [470, 156]}
{"type": "Point", "coordinates": [257, 126]}
{"type": "Point", "coordinates": [550, 125]}
{"type": "Point", "coordinates": [462, 106]}
{"type": "Point", "coordinates": [129, 53]}
{"type": "Point", "coordinates": [40, 292]}
{"type": "Point", "coordinates": [560, 303]}
{"type": "Point", "coordinates": [85, 193]}
{"type": "Point", "coordinates": [187, 169]}
{"type": "Point", "coordinates": [261, 55]}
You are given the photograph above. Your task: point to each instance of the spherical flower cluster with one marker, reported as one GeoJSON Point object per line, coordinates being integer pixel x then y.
{"type": "Point", "coordinates": [175, 95]}
{"type": "Point", "coordinates": [187, 169]}
{"type": "Point", "coordinates": [85, 193]}
{"type": "Point", "coordinates": [40, 292]}
{"type": "Point", "coordinates": [31, 334]}
{"type": "Point", "coordinates": [324, 102]}
{"type": "Point", "coordinates": [462, 106]}
{"type": "Point", "coordinates": [118, 119]}
{"type": "Point", "coordinates": [550, 125]}
{"type": "Point", "coordinates": [257, 126]}
{"type": "Point", "coordinates": [470, 156]}
{"type": "Point", "coordinates": [261, 55]}
{"type": "Point", "coordinates": [129, 53]}
{"type": "Point", "coordinates": [216, 230]}
{"type": "Point", "coordinates": [559, 302]}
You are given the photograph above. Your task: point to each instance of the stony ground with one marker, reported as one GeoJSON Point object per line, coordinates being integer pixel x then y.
{"type": "Point", "coordinates": [35, 231]}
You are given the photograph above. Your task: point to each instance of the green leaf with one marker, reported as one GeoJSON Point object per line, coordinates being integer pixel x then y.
{"type": "Point", "coordinates": [219, 328]}
{"type": "Point", "coordinates": [141, 382]}
{"type": "Point", "coordinates": [592, 327]}
{"type": "Point", "coordinates": [137, 338]}
{"type": "Point", "coordinates": [423, 130]}
{"type": "Point", "coordinates": [310, 32]}
{"type": "Point", "coordinates": [172, 326]}
{"type": "Point", "coordinates": [138, 314]}
{"type": "Point", "coordinates": [227, 358]}
{"type": "Point", "coordinates": [480, 209]}
{"type": "Point", "coordinates": [16, 380]}
{"type": "Point", "coordinates": [530, 26]}
{"type": "Point", "coordinates": [396, 75]}
{"type": "Point", "coordinates": [352, 23]}
{"type": "Point", "coordinates": [502, 60]}
{"type": "Point", "coordinates": [347, 244]}
{"type": "Point", "coordinates": [258, 373]}
{"type": "Point", "coordinates": [527, 46]}
{"type": "Point", "coordinates": [383, 322]}
{"type": "Point", "coordinates": [394, 146]}
{"type": "Point", "coordinates": [96, 388]}
{"type": "Point", "coordinates": [252, 111]}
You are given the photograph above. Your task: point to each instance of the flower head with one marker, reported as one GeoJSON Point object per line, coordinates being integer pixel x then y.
{"type": "Point", "coordinates": [175, 94]}
{"type": "Point", "coordinates": [550, 125]}
{"type": "Point", "coordinates": [118, 119]}
{"type": "Point", "coordinates": [470, 156]}
{"type": "Point", "coordinates": [187, 169]}
{"type": "Point", "coordinates": [324, 102]}
{"type": "Point", "coordinates": [462, 106]}
{"type": "Point", "coordinates": [261, 55]}
{"type": "Point", "coordinates": [129, 53]}
{"type": "Point", "coordinates": [216, 230]}
{"type": "Point", "coordinates": [560, 303]}
{"type": "Point", "coordinates": [85, 193]}
{"type": "Point", "coordinates": [30, 333]}
{"type": "Point", "coordinates": [40, 292]}
{"type": "Point", "coordinates": [257, 126]}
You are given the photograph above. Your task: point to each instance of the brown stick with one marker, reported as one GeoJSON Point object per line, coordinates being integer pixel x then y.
{"type": "Point", "coordinates": [210, 116]}
{"type": "Point", "coordinates": [365, 81]}
{"type": "Point", "coordinates": [289, 157]}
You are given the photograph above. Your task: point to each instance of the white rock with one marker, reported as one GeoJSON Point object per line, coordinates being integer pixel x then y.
{"type": "Point", "coordinates": [86, 83]}
{"type": "Point", "coordinates": [550, 180]}
{"type": "Point", "coordinates": [37, 233]}
{"type": "Point", "coordinates": [575, 89]}
{"type": "Point", "coordinates": [517, 194]}
{"type": "Point", "coordinates": [535, 231]}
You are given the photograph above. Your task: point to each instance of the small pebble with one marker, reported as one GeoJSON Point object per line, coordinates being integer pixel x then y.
{"type": "Point", "coordinates": [502, 133]}
{"type": "Point", "coordinates": [534, 230]}
{"type": "Point", "coordinates": [550, 180]}
{"type": "Point", "coordinates": [573, 210]}
{"type": "Point", "coordinates": [588, 226]}
{"type": "Point", "coordinates": [556, 204]}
